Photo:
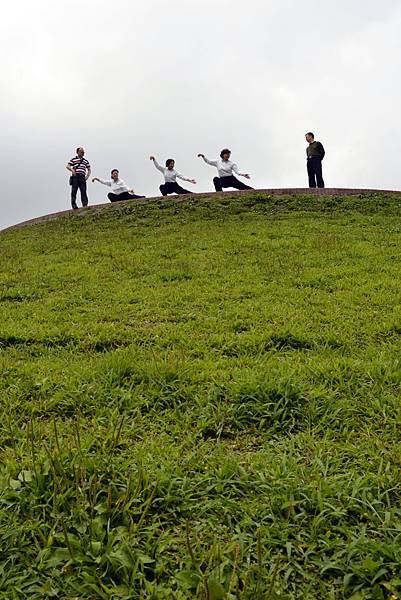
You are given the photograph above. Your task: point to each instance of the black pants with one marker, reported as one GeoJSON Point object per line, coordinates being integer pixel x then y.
{"type": "Point", "coordinates": [314, 167]}
{"type": "Point", "coordinates": [78, 182]}
{"type": "Point", "coordinates": [123, 196]}
{"type": "Point", "coordinates": [172, 188]}
{"type": "Point", "coordinates": [229, 181]}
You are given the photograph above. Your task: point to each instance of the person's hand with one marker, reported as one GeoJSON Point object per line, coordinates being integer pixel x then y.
{"type": "Point", "coordinates": [247, 176]}
{"type": "Point", "coordinates": [201, 156]}
{"type": "Point", "coordinates": [151, 158]}
{"type": "Point", "coordinates": [192, 181]}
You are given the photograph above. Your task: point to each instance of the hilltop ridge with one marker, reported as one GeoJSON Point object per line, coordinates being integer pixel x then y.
{"type": "Point", "coordinates": [342, 192]}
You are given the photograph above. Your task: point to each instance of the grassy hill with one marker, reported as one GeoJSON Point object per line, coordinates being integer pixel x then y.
{"type": "Point", "coordinates": [201, 399]}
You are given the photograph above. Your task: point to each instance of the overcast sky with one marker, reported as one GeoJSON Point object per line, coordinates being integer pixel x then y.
{"type": "Point", "coordinates": [126, 79]}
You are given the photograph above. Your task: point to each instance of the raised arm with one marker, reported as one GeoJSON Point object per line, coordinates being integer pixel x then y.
{"type": "Point", "coordinates": [156, 164]}
{"type": "Point", "coordinates": [213, 163]}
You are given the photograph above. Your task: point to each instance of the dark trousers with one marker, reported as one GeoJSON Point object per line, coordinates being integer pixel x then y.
{"type": "Point", "coordinates": [123, 196]}
{"type": "Point", "coordinates": [314, 166]}
{"type": "Point", "coordinates": [78, 183]}
{"type": "Point", "coordinates": [229, 181]}
{"type": "Point", "coordinates": [172, 188]}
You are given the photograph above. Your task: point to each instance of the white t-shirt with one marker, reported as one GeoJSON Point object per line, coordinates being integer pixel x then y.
{"type": "Point", "coordinates": [225, 168]}
{"type": "Point", "coordinates": [170, 175]}
{"type": "Point", "coordinates": [118, 187]}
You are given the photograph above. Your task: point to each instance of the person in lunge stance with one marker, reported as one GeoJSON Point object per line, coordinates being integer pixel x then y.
{"type": "Point", "coordinates": [170, 185]}
{"type": "Point", "coordinates": [225, 168]}
{"type": "Point", "coordinates": [315, 154]}
{"type": "Point", "coordinates": [120, 190]}
{"type": "Point", "coordinates": [80, 172]}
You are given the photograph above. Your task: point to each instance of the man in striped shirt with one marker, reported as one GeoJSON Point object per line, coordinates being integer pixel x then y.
{"type": "Point", "coordinates": [80, 171]}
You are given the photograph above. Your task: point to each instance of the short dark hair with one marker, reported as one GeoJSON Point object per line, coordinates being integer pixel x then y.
{"type": "Point", "coordinates": [224, 151]}
{"type": "Point", "coordinates": [78, 149]}
{"type": "Point", "coordinates": [113, 170]}
{"type": "Point", "coordinates": [169, 161]}
{"type": "Point", "coordinates": [310, 133]}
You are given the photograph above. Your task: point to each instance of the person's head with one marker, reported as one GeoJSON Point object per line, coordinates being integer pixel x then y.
{"type": "Point", "coordinates": [309, 137]}
{"type": "Point", "coordinates": [80, 152]}
{"type": "Point", "coordinates": [170, 162]}
{"type": "Point", "coordinates": [114, 174]}
{"type": "Point", "coordinates": [225, 154]}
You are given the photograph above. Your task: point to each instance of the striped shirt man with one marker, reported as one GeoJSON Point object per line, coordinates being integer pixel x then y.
{"type": "Point", "coordinates": [80, 170]}
{"type": "Point", "coordinates": [79, 165]}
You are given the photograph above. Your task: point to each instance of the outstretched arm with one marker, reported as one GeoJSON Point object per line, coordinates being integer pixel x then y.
{"type": "Point", "coordinates": [209, 162]}
{"type": "Point", "coordinates": [129, 190]}
{"type": "Point", "coordinates": [156, 164]}
{"type": "Point", "coordinates": [179, 176]}
{"type": "Point", "coordinates": [235, 169]}
{"type": "Point", "coordinates": [108, 183]}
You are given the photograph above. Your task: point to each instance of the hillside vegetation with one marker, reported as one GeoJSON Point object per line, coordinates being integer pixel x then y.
{"type": "Point", "coordinates": [201, 399]}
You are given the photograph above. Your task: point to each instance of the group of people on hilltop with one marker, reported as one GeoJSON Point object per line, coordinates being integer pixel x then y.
{"type": "Point", "coordinates": [80, 170]}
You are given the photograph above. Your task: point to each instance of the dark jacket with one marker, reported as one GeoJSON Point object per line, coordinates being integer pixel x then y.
{"type": "Point", "coordinates": [315, 150]}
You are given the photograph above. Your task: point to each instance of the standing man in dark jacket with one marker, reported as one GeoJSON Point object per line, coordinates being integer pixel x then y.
{"type": "Point", "coordinates": [80, 173]}
{"type": "Point", "coordinates": [315, 154]}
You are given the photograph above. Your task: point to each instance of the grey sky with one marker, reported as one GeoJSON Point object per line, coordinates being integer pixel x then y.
{"type": "Point", "coordinates": [126, 79]}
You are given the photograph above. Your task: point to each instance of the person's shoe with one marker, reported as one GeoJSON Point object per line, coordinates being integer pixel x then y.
{"type": "Point", "coordinates": [74, 207]}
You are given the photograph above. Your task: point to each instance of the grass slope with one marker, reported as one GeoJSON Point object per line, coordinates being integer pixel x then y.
{"type": "Point", "coordinates": [200, 399]}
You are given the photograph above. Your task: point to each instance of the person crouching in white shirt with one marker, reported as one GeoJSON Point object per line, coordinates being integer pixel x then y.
{"type": "Point", "coordinates": [170, 185]}
{"type": "Point", "coordinates": [120, 190]}
{"type": "Point", "coordinates": [225, 168]}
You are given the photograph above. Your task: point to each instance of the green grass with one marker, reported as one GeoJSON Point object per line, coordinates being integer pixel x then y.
{"type": "Point", "coordinates": [201, 399]}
